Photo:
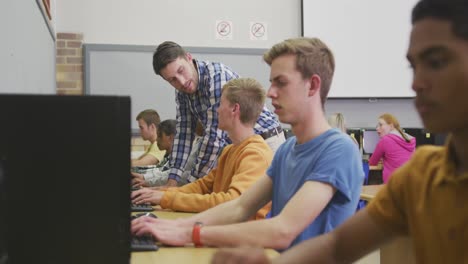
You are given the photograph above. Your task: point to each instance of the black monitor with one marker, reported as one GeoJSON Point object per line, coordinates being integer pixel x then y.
{"type": "Point", "coordinates": [64, 176]}
{"type": "Point", "coordinates": [423, 136]}
{"type": "Point", "coordinates": [357, 134]}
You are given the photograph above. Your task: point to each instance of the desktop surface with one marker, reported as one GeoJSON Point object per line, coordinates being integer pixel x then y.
{"type": "Point", "coordinates": [187, 254]}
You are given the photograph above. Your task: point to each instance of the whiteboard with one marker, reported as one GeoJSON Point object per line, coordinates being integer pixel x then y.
{"type": "Point", "coordinates": [128, 70]}
{"type": "Point", "coordinates": [369, 39]}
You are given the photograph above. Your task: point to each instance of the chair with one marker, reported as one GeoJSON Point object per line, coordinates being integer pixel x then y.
{"type": "Point", "coordinates": [365, 166]}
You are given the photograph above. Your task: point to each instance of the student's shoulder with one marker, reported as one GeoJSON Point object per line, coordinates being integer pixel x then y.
{"type": "Point", "coordinates": [216, 68]}
{"type": "Point", "coordinates": [421, 167]}
{"type": "Point", "coordinates": [428, 153]}
{"type": "Point", "coordinates": [390, 139]}
{"type": "Point", "coordinates": [337, 139]}
{"type": "Point", "coordinates": [256, 144]}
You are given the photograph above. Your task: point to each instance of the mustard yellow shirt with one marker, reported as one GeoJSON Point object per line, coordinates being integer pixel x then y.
{"type": "Point", "coordinates": [426, 200]}
{"type": "Point", "coordinates": [239, 166]}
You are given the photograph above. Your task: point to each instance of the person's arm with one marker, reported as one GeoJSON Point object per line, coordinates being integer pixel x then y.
{"type": "Point", "coordinates": [155, 196]}
{"type": "Point", "coordinates": [146, 195]}
{"type": "Point", "coordinates": [355, 238]}
{"type": "Point", "coordinates": [251, 164]}
{"type": "Point", "coordinates": [138, 180]}
{"type": "Point", "coordinates": [378, 153]}
{"type": "Point", "coordinates": [179, 232]}
{"type": "Point", "coordinates": [190, 165]}
{"type": "Point", "coordinates": [277, 232]}
{"type": "Point", "coordinates": [213, 140]}
{"type": "Point", "coordinates": [182, 141]}
{"type": "Point", "coordinates": [212, 143]}
{"type": "Point", "coordinates": [145, 160]}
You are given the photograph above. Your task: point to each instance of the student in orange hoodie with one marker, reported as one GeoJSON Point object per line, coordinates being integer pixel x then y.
{"type": "Point", "coordinates": [240, 164]}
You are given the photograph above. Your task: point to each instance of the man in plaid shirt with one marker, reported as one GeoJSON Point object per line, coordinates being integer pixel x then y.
{"type": "Point", "coordinates": [198, 92]}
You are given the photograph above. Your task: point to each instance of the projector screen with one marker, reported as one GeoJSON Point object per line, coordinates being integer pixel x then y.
{"type": "Point", "coordinates": [369, 39]}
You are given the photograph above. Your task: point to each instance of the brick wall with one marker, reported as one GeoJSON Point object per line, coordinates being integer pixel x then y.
{"type": "Point", "coordinates": [69, 64]}
{"type": "Point", "coordinates": [69, 74]}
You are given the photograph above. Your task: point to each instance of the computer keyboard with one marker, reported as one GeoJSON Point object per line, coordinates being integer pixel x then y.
{"type": "Point", "coordinates": [145, 242]}
{"type": "Point", "coordinates": [141, 207]}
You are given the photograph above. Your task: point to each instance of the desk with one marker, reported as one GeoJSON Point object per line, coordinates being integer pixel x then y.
{"type": "Point", "coordinates": [400, 250]}
{"type": "Point", "coordinates": [187, 255]}
{"type": "Point", "coordinates": [369, 191]}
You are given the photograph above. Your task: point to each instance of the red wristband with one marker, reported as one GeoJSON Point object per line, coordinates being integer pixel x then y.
{"type": "Point", "coordinates": [196, 234]}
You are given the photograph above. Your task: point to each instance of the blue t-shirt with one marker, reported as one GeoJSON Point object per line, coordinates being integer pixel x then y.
{"type": "Point", "coordinates": [331, 158]}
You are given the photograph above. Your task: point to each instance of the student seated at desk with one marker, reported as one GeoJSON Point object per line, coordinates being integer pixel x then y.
{"type": "Point", "coordinates": [148, 121]}
{"type": "Point", "coordinates": [158, 176]}
{"type": "Point", "coordinates": [314, 180]}
{"type": "Point", "coordinates": [162, 182]}
{"type": "Point", "coordinates": [337, 120]}
{"type": "Point", "coordinates": [395, 147]}
{"type": "Point", "coordinates": [241, 163]}
{"type": "Point", "coordinates": [426, 198]}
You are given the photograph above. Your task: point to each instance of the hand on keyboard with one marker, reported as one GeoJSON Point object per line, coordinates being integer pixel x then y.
{"type": "Point", "coordinates": [146, 195]}
{"type": "Point", "coordinates": [144, 242]}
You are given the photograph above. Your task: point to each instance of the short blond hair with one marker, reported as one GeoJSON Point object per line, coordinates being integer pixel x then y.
{"type": "Point", "coordinates": [249, 94]}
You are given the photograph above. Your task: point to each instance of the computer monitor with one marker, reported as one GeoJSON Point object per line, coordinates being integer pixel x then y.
{"type": "Point", "coordinates": [423, 137]}
{"type": "Point", "coordinates": [357, 134]}
{"type": "Point", "coordinates": [64, 166]}
{"type": "Point", "coordinates": [370, 138]}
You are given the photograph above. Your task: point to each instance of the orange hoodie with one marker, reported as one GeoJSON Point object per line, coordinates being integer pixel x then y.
{"type": "Point", "coordinates": [239, 166]}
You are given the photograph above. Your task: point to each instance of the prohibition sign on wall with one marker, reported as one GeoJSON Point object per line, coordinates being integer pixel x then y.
{"type": "Point", "coordinates": [258, 31]}
{"type": "Point", "coordinates": [223, 29]}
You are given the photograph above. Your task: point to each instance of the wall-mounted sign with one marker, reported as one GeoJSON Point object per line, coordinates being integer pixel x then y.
{"type": "Point", "coordinates": [258, 31]}
{"type": "Point", "coordinates": [223, 29]}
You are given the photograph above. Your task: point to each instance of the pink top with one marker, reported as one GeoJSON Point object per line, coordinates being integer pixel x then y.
{"type": "Point", "coordinates": [395, 151]}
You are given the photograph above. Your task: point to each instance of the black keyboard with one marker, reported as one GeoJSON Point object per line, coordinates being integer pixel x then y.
{"type": "Point", "coordinates": [143, 243]}
{"type": "Point", "coordinates": [141, 207]}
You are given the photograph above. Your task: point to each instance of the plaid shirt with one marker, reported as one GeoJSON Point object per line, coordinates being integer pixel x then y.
{"type": "Point", "coordinates": [203, 105]}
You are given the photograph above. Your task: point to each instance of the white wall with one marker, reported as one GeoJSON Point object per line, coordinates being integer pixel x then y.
{"type": "Point", "coordinates": [189, 22]}
{"type": "Point", "coordinates": [192, 23]}
{"type": "Point", "coordinates": [27, 50]}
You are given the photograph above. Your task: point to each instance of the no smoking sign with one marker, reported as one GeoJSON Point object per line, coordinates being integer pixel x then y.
{"type": "Point", "coordinates": [258, 31]}
{"type": "Point", "coordinates": [223, 29]}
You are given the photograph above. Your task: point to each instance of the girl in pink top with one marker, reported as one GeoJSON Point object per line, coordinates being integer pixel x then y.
{"type": "Point", "coordinates": [395, 147]}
